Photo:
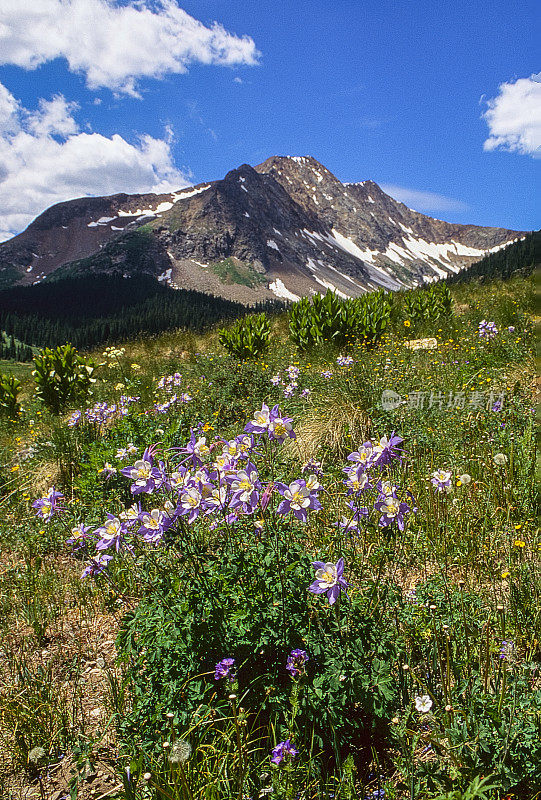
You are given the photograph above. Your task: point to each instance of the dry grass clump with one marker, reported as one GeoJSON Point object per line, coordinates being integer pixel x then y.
{"type": "Point", "coordinates": [336, 424]}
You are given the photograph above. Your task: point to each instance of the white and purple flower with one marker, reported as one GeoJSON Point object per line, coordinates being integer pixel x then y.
{"type": "Point", "coordinates": [329, 580]}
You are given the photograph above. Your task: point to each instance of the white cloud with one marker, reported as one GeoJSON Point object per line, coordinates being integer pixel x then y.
{"type": "Point", "coordinates": [45, 158]}
{"type": "Point", "coordinates": [115, 45]}
{"type": "Point", "coordinates": [423, 201]}
{"type": "Point", "coordinates": [514, 117]}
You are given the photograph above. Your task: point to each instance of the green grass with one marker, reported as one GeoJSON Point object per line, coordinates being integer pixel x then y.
{"type": "Point", "coordinates": [231, 270]}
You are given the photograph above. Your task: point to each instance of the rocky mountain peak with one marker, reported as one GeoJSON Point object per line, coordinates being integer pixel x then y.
{"type": "Point", "coordinates": [287, 227]}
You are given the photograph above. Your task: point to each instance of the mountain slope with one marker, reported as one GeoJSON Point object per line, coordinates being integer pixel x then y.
{"type": "Point", "coordinates": [286, 228]}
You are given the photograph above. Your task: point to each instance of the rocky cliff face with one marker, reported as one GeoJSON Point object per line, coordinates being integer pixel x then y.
{"type": "Point", "coordinates": [285, 228]}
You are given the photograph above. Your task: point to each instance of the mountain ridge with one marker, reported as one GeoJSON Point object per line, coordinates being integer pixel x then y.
{"type": "Point", "coordinates": [288, 225]}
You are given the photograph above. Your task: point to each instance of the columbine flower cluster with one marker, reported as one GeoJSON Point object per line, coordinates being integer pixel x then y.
{"type": "Point", "coordinates": [345, 361]}
{"type": "Point", "coordinates": [365, 474]}
{"type": "Point", "coordinates": [487, 330]}
{"type": "Point", "coordinates": [218, 481]}
{"type": "Point", "coordinates": [163, 408]}
{"type": "Point", "coordinates": [101, 413]}
{"type": "Point", "coordinates": [291, 385]}
{"type": "Point", "coordinates": [170, 382]}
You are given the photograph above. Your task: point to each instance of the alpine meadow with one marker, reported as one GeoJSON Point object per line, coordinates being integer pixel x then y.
{"type": "Point", "coordinates": [270, 468]}
{"type": "Point", "coordinates": [296, 556]}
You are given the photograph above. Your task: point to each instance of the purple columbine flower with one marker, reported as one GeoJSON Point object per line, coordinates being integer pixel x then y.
{"type": "Point", "coordinates": [293, 372]}
{"type": "Point", "coordinates": [298, 498]}
{"type": "Point", "coordinates": [498, 405]}
{"type": "Point", "coordinates": [387, 450]}
{"type": "Point", "coordinates": [329, 580]}
{"type": "Point", "coordinates": [262, 419]}
{"type": "Point", "coordinates": [280, 428]}
{"type": "Point", "coordinates": [143, 474]}
{"type": "Point", "coordinates": [111, 533]}
{"type": "Point", "coordinates": [392, 511]}
{"type": "Point", "coordinates": [46, 507]}
{"type": "Point", "coordinates": [351, 522]}
{"type": "Point", "coordinates": [364, 456]}
{"type": "Point", "coordinates": [441, 480]}
{"type": "Point", "coordinates": [296, 661]}
{"type": "Point", "coordinates": [275, 380]}
{"type": "Point", "coordinates": [511, 328]}
{"type": "Point", "coordinates": [97, 565]}
{"type": "Point", "coordinates": [154, 525]}
{"type": "Point", "coordinates": [74, 419]}
{"type": "Point", "coordinates": [357, 479]}
{"type": "Point", "coordinates": [245, 487]}
{"type": "Point", "coordinates": [344, 361]}
{"type": "Point", "coordinates": [223, 669]}
{"type": "Point", "coordinates": [80, 536]}
{"type": "Point", "coordinates": [283, 750]}
{"type": "Point", "coordinates": [196, 449]}
{"type": "Point", "coordinates": [313, 467]}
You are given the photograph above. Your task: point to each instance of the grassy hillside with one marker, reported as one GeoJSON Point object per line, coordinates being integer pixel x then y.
{"type": "Point", "coordinates": [422, 679]}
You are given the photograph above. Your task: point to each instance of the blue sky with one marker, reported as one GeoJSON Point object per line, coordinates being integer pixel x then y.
{"type": "Point", "coordinates": [438, 103]}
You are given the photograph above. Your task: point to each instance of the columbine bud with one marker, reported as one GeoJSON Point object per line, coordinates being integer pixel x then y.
{"type": "Point", "coordinates": [147, 776]}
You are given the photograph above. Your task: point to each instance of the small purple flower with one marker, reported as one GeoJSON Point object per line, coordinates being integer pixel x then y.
{"type": "Point", "coordinates": [97, 565]}
{"type": "Point", "coordinates": [506, 650]}
{"type": "Point", "coordinates": [74, 419]}
{"type": "Point", "coordinates": [296, 661]}
{"type": "Point", "coordinates": [275, 380]}
{"type": "Point", "coordinates": [283, 750]}
{"type": "Point", "coordinates": [312, 466]}
{"type": "Point", "coordinates": [344, 361]}
{"type": "Point", "coordinates": [387, 450]}
{"type": "Point", "coordinates": [46, 507]}
{"type": "Point", "coordinates": [441, 480]}
{"type": "Point", "coordinates": [223, 669]}
{"type": "Point", "coordinates": [498, 405]}
{"type": "Point", "coordinates": [351, 522]}
{"type": "Point", "coordinates": [107, 471]}
{"type": "Point", "coordinates": [112, 533]}
{"type": "Point", "coordinates": [79, 537]}
{"type": "Point", "coordinates": [326, 374]}
{"type": "Point", "coordinates": [329, 580]}
{"type": "Point", "coordinates": [392, 511]}
{"type": "Point", "coordinates": [511, 328]}
{"type": "Point", "coordinates": [487, 330]}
